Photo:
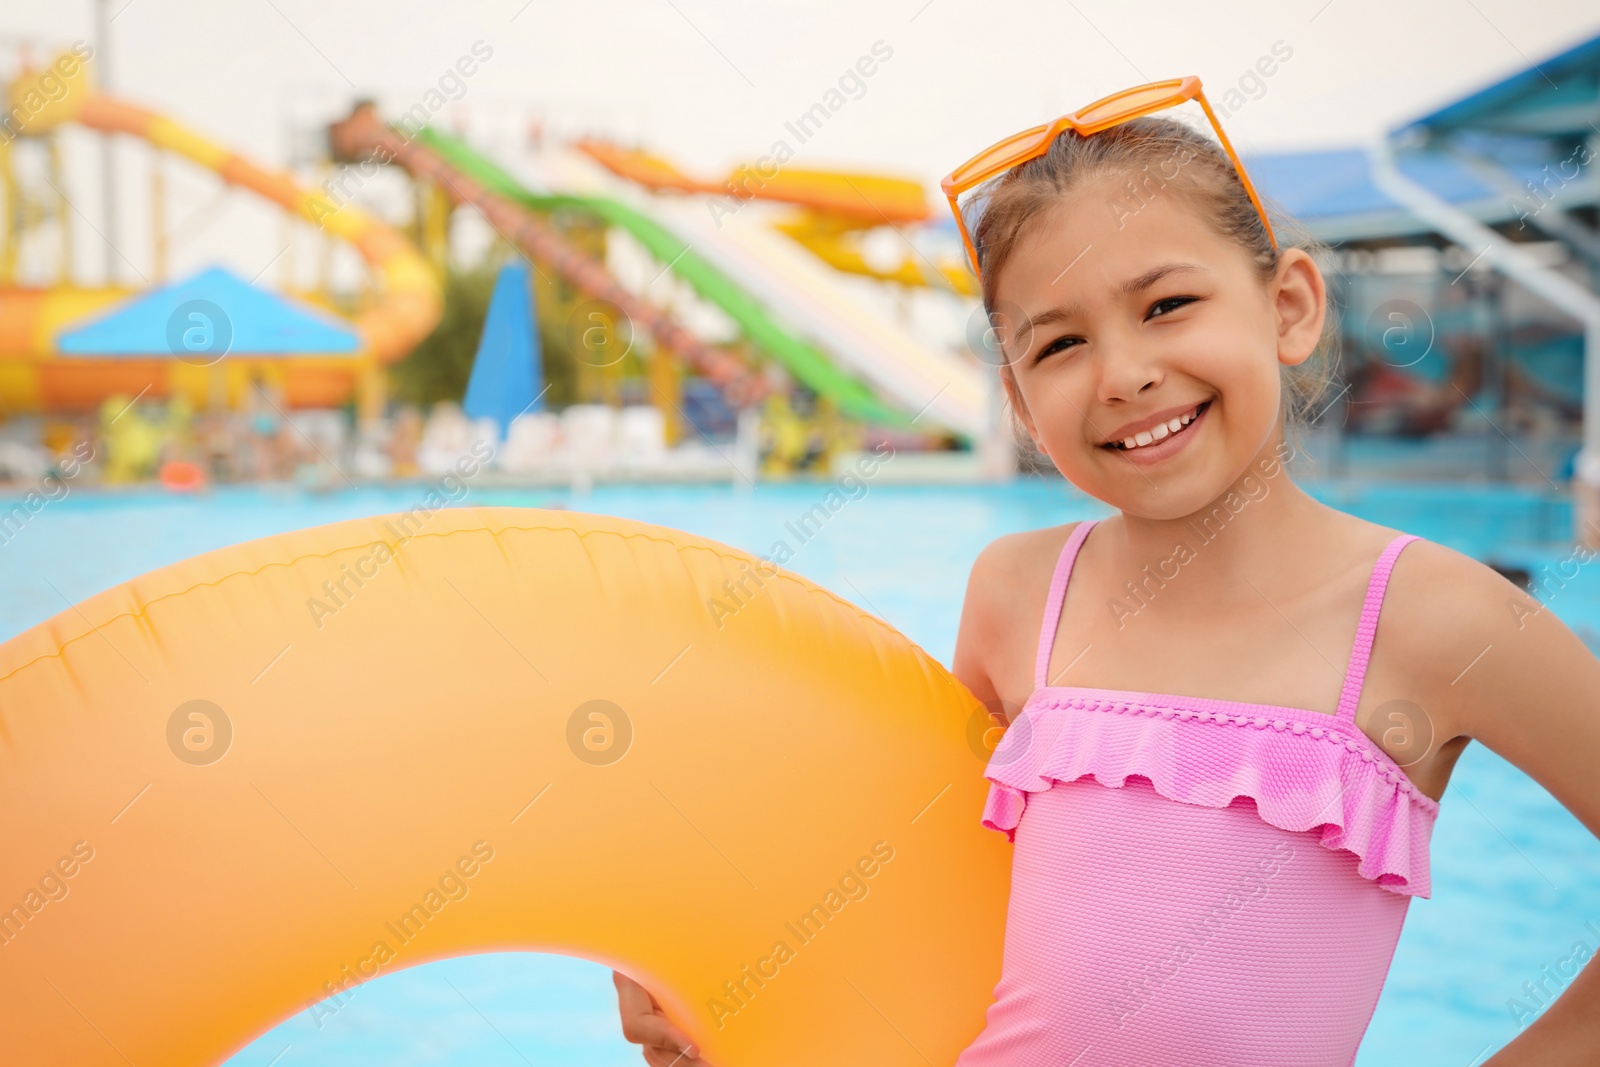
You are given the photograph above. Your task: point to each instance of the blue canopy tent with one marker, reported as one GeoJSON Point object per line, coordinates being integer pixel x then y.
{"type": "Point", "coordinates": [205, 317]}
{"type": "Point", "coordinates": [507, 374]}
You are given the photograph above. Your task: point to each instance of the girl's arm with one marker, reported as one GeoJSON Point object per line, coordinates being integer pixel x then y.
{"type": "Point", "coordinates": [1523, 684]}
{"type": "Point", "coordinates": [993, 599]}
{"type": "Point", "coordinates": [967, 664]}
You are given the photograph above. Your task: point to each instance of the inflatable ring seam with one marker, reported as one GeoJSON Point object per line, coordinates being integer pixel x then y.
{"type": "Point", "coordinates": [680, 545]}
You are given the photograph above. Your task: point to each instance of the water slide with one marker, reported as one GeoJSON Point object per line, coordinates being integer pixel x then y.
{"type": "Point", "coordinates": [363, 135]}
{"type": "Point", "coordinates": [941, 387]}
{"type": "Point", "coordinates": [32, 376]}
{"type": "Point", "coordinates": [410, 303]}
{"type": "Point", "coordinates": [805, 361]}
{"type": "Point", "coordinates": [786, 301]}
{"type": "Point", "coordinates": [837, 208]}
{"type": "Point", "coordinates": [865, 198]}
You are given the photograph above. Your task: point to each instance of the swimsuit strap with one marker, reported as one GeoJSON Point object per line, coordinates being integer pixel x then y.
{"type": "Point", "coordinates": [1361, 652]}
{"type": "Point", "coordinates": [1058, 596]}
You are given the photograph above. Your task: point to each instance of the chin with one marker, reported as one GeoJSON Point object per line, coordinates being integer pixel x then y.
{"type": "Point", "coordinates": [1165, 510]}
{"type": "Point", "coordinates": [1169, 504]}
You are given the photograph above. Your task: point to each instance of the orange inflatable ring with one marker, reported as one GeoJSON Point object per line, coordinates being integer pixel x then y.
{"type": "Point", "coordinates": [181, 476]}
{"type": "Point", "coordinates": [236, 786]}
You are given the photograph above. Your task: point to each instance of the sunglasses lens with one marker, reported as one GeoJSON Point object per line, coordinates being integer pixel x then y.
{"type": "Point", "coordinates": [1127, 102]}
{"type": "Point", "coordinates": [998, 157]}
{"type": "Point", "coordinates": [966, 183]}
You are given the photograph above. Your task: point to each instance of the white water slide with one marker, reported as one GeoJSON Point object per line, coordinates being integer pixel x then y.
{"type": "Point", "coordinates": [940, 388]}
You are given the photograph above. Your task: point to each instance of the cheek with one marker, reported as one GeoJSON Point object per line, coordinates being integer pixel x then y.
{"type": "Point", "coordinates": [1243, 369]}
{"type": "Point", "coordinates": [1052, 405]}
{"type": "Point", "coordinates": [1057, 404]}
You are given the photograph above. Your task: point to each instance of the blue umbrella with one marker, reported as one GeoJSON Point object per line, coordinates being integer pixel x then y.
{"type": "Point", "coordinates": [507, 376]}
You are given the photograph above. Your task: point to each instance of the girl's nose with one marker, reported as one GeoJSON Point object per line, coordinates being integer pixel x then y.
{"type": "Point", "coordinates": [1126, 369]}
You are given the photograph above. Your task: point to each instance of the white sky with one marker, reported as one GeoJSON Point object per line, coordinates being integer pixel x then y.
{"type": "Point", "coordinates": [710, 82]}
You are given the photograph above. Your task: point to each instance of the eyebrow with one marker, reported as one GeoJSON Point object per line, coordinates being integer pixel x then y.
{"type": "Point", "coordinates": [1126, 289]}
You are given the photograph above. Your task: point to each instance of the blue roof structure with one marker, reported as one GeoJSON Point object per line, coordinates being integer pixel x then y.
{"type": "Point", "coordinates": [1521, 125]}
{"type": "Point", "coordinates": [1333, 193]}
{"type": "Point", "coordinates": [205, 317]}
{"type": "Point", "coordinates": [1558, 98]}
{"type": "Point", "coordinates": [1338, 182]}
{"type": "Point", "coordinates": [507, 374]}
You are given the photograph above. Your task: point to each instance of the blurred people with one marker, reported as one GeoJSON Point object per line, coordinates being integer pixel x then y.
{"type": "Point", "coordinates": [447, 437]}
{"type": "Point", "coordinates": [405, 441]}
{"type": "Point", "coordinates": [179, 438]}
{"type": "Point", "coordinates": [132, 442]}
{"type": "Point", "coordinates": [220, 445]}
{"type": "Point", "coordinates": [268, 432]}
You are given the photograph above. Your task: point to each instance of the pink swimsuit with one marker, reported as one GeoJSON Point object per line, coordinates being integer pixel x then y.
{"type": "Point", "coordinates": [1197, 881]}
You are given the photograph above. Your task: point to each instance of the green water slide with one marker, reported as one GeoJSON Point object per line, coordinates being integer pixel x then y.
{"type": "Point", "coordinates": [809, 364]}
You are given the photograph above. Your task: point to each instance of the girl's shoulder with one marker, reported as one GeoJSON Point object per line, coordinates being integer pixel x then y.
{"type": "Point", "coordinates": [1005, 597]}
{"type": "Point", "coordinates": [1434, 595]}
{"type": "Point", "coordinates": [1448, 625]}
{"type": "Point", "coordinates": [1437, 595]}
{"type": "Point", "coordinates": [1481, 658]}
{"type": "Point", "coordinates": [1017, 561]}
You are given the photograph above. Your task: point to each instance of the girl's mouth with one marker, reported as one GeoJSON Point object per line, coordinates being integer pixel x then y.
{"type": "Point", "coordinates": [1174, 435]}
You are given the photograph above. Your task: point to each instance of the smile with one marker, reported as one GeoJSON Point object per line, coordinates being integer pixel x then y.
{"type": "Point", "coordinates": [1171, 428]}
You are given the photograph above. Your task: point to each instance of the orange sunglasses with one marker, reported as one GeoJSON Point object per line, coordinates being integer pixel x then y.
{"type": "Point", "coordinates": [1102, 114]}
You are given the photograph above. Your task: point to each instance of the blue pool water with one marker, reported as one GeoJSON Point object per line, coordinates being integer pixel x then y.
{"type": "Point", "coordinates": [1516, 878]}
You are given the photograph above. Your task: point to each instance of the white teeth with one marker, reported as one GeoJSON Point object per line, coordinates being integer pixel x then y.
{"type": "Point", "coordinates": [1160, 431]}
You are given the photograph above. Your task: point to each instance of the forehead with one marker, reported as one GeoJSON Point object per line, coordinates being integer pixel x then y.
{"type": "Point", "coordinates": [1098, 236]}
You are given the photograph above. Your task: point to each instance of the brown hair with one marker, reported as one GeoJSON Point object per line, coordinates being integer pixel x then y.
{"type": "Point", "coordinates": [999, 216]}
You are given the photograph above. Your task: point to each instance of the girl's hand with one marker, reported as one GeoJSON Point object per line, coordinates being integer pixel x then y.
{"type": "Point", "coordinates": [644, 1023]}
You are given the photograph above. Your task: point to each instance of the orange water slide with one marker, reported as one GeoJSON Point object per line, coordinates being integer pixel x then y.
{"type": "Point", "coordinates": [837, 207]}
{"type": "Point", "coordinates": [869, 199]}
{"type": "Point", "coordinates": [411, 301]}
{"type": "Point", "coordinates": [35, 376]}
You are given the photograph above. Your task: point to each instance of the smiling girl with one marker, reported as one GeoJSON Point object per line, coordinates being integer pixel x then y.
{"type": "Point", "coordinates": [1232, 709]}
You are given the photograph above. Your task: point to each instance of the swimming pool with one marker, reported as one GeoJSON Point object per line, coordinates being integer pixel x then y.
{"type": "Point", "coordinates": [1516, 878]}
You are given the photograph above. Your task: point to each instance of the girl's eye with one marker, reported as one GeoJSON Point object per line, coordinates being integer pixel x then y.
{"type": "Point", "coordinates": [1170, 304]}
{"type": "Point", "coordinates": [1159, 308]}
{"type": "Point", "coordinates": [1057, 345]}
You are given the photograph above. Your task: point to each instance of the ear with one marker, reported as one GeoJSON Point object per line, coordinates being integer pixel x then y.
{"type": "Point", "coordinates": [1299, 297]}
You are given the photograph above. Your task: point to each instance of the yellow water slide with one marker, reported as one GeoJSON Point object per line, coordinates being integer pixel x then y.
{"type": "Point", "coordinates": [34, 376]}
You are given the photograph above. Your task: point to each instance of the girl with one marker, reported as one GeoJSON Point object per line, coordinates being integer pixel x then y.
{"type": "Point", "coordinates": [1221, 772]}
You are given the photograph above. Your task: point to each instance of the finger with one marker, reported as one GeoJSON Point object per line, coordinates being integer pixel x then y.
{"type": "Point", "coordinates": [663, 1058]}
{"type": "Point", "coordinates": [632, 998]}
{"type": "Point", "coordinates": [655, 1032]}
{"type": "Point", "coordinates": [642, 1020]}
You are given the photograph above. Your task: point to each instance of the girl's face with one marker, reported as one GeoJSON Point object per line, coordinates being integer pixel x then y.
{"type": "Point", "coordinates": [1117, 321]}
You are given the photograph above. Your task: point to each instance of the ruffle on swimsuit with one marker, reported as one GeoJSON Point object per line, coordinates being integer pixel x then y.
{"type": "Point", "coordinates": [1303, 769]}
